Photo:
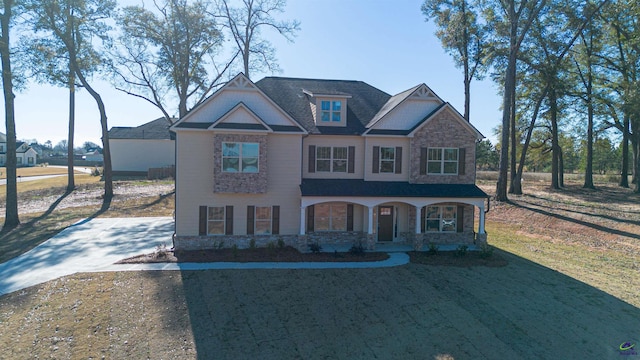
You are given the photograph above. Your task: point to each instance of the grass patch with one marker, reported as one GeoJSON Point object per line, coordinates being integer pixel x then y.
{"type": "Point", "coordinates": [50, 184]}
{"type": "Point", "coordinates": [36, 171]}
{"type": "Point", "coordinates": [609, 270]}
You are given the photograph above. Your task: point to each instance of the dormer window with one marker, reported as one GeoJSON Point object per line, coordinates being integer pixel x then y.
{"type": "Point", "coordinates": [331, 110]}
{"type": "Point", "coordinates": [328, 108]}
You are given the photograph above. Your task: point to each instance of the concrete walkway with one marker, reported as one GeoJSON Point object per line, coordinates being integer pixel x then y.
{"type": "Point", "coordinates": [85, 246]}
{"type": "Point", "coordinates": [95, 245]}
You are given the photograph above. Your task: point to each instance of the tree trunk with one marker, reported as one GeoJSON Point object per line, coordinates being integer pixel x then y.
{"type": "Point", "coordinates": [11, 219]}
{"type": "Point", "coordinates": [72, 115]}
{"type": "Point", "coordinates": [509, 93]}
{"type": "Point", "coordinates": [560, 168]}
{"type": "Point", "coordinates": [553, 110]}
{"type": "Point", "coordinates": [512, 158]}
{"type": "Point", "coordinates": [624, 171]}
{"type": "Point", "coordinates": [517, 180]}
{"type": "Point", "coordinates": [588, 172]}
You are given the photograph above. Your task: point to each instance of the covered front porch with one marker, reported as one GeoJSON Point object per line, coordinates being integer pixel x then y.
{"type": "Point", "coordinates": [392, 213]}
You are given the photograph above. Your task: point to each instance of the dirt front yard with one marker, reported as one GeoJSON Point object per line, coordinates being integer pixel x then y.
{"type": "Point", "coordinates": [521, 311]}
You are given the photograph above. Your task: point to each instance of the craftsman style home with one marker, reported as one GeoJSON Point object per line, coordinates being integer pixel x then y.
{"type": "Point", "coordinates": [325, 161]}
{"type": "Point", "coordinates": [25, 154]}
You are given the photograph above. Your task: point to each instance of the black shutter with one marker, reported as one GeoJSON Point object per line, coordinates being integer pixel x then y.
{"type": "Point", "coordinates": [423, 161]}
{"type": "Point", "coordinates": [251, 210]}
{"type": "Point", "coordinates": [351, 160]}
{"type": "Point", "coordinates": [460, 220]}
{"type": "Point", "coordinates": [202, 223]}
{"type": "Point", "coordinates": [398, 161]}
{"type": "Point", "coordinates": [349, 217]}
{"type": "Point", "coordinates": [312, 158]}
{"type": "Point", "coordinates": [275, 220]}
{"type": "Point", "coordinates": [310, 215]}
{"type": "Point", "coordinates": [376, 160]}
{"type": "Point", "coordinates": [461, 161]}
{"type": "Point", "coordinates": [228, 213]}
{"type": "Point", "coordinates": [423, 220]}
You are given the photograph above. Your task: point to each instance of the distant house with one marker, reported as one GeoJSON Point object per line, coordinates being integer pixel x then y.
{"type": "Point", "coordinates": [25, 154]}
{"type": "Point", "coordinates": [136, 149]}
{"type": "Point", "coordinates": [93, 155]}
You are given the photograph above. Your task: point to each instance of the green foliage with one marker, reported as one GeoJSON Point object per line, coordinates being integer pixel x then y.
{"type": "Point", "coordinates": [281, 243]}
{"type": "Point", "coordinates": [487, 157]}
{"type": "Point", "coordinates": [315, 247]}
{"type": "Point", "coordinates": [433, 249]}
{"type": "Point", "coordinates": [462, 250]}
{"type": "Point", "coordinates": [357, 249]}
{"type": "Point", "coordinates": [486, 251]}
{"type": "Point", "coordinates": [252, 244]}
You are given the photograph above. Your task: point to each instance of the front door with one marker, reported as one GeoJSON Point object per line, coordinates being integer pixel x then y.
{"type": "Point", "coordinates": [385, 223]}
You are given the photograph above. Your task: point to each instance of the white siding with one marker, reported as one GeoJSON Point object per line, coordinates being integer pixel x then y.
{"type": "Point", "coordinates": [140, 155]}
{"type": "Point", "coordinates": [225, 100]}
{"type": "Point", "coordinates": [407, 114]}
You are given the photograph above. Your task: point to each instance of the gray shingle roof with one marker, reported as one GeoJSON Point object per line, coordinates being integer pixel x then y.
{"type": "Point", "coordinates": [288, 93]}
{"type": "Point", "coordinates": [359, 187]}
{"type": "Point", "coordinates": [157, 129]}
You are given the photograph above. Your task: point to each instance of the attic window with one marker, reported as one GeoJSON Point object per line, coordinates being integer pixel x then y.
{"type": "Point", "coordinates": [331, 111]}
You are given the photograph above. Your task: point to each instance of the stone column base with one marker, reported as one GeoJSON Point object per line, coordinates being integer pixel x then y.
{"type": "Point", "coordinates": [371, 241]}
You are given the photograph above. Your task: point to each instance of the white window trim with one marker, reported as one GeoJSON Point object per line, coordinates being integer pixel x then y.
{"type": "Point", "coordinates": [239, 158]}
{"type": "Point", "coordinates": [380, 160]}
{"type": "Point", "coordinates": [332, 159]}
{"type": "Point", "coordinates": [224, 220]}
{"type": "Point", "coordinates": [331, 218]}
{"type": "Point", "coordinates": [255, 220]}
{"type": "Point", "coordinates": [443, 161]}
{"type": "Point", "coordinates": [440, 219]}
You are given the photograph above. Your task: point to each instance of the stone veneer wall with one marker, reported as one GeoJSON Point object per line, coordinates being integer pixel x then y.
{"type": "Point", "coordinates": [246, 183]}
{"type": "Point", "coordinates": [443, 131]}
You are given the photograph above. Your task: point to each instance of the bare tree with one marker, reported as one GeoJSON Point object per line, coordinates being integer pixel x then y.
{"type": "Point", "coordinates": [245, 23]}
{"type": "Point", "coordinates": [170, 51]}
{"type": "Point", "coordinates": [88, 23]}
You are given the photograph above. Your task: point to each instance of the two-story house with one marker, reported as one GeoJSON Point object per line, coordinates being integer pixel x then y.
{"type": "Point", "coordinates": [25, 154]}
{"type": "Point", "coordinates": [325, 161]}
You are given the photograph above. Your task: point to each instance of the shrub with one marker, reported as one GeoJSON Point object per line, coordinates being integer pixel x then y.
{"type": "Point", "coordinates": [252, 244]}
{"type": "Point", "coordinates": [315, 247]}
{"type": "Point", "coordinates": [280, 243]}
{"type": "Point", "coordinates": [462, 250]}
{"type": "Point", "coordinates": [357, 249]}
{"type": "Point", "coordinates": [486, 251]}
{"type": "Point", "coordinates": [234, 250]}
{"type": "Point", "coordinates": [433, 249]}
{"type": "Point", "coordinates": [161, 252]}
{"type": "Point", "coordinates": [271, 245]}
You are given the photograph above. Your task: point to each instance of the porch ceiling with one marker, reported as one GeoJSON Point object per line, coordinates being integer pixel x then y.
{"type": "Point", "coordinates": [361, 188]}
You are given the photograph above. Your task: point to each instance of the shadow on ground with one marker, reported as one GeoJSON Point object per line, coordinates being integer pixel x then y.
{"type": "Point", "coordinates": [523, 310]}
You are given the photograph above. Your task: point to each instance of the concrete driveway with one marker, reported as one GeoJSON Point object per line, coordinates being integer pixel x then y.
{"type": "Point", "coordinates": [88, 245]}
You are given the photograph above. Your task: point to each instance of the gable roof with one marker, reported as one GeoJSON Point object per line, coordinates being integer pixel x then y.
{"type": "Point", "coordinates": [294, 96]}
{"type": "Point", "coordinates": [157, 129]}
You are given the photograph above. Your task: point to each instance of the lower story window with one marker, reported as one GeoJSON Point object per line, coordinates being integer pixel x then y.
{"type": "Point", "coordinates": [441, 218]}
{"type": "Point", "coordinates": [330, 217]}
{"type": "Point", "coordinates": [215, 220]}
{"type": "Point", "coordinates": [30, 160]}
{"type": "Point", "coordinates": [263, 220]}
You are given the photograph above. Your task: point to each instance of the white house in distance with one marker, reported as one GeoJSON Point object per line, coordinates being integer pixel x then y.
{"type": "Point", "coordinates": [25, 154]}
{"type": "Point", "coordinates": [325, 161]}
{"type": "Point", "coordinates": [136, 149]}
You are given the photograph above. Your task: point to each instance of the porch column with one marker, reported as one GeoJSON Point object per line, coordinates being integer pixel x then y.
{"type": "Point", "coordinates": [481, 225]}
{"type": "Point", "coordinates": [418, 220]}
{"type": "Point", "coordinates": [303, 220]}
{"type": "Point", "coordinates": [370, 223]}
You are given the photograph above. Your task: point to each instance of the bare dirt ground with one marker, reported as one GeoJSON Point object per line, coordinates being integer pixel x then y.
{"type": "Point", "coordinates": [583, 246]}
{"type": "Point", "coordinates": [86, 195]}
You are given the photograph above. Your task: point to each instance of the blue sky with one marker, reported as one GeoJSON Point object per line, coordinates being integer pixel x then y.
{"type": "Point", "coordinates": [385, 43]}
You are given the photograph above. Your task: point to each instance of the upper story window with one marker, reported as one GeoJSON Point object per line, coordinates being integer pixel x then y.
{"type": "Point", "coordinates": [1, 147]}
{"type": "Point", "coordinates": [240, 157]}
{"type": "Point", "coordinates": [331, 111]}
{"type": "Point", "coordinates": [387, 160]}
{"type": "Point", "coordinates": [442, 161]}
{"type": "Point", "coordinates": [332, 159]}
